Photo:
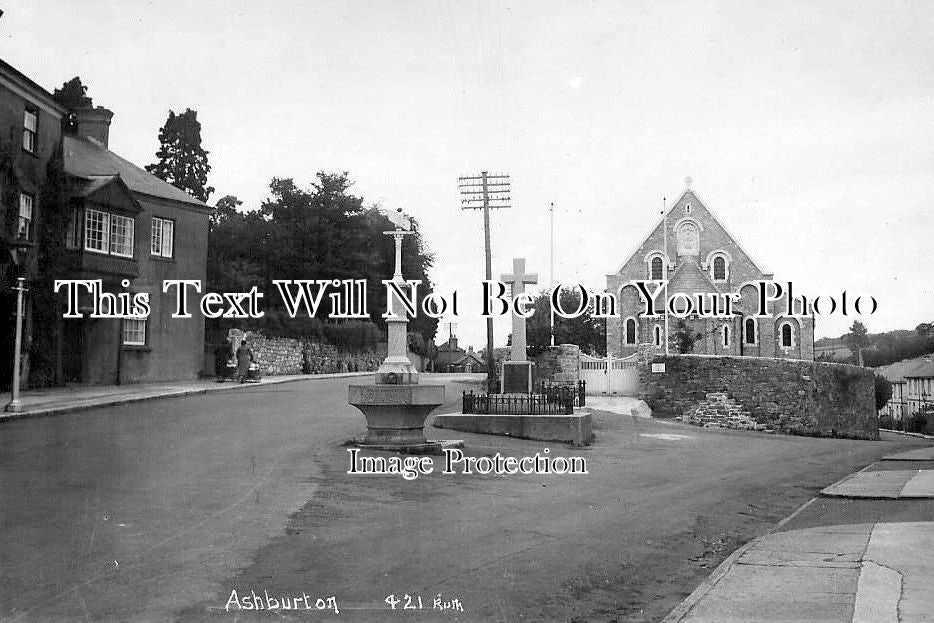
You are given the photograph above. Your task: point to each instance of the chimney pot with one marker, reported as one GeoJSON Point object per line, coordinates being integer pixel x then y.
{"type": "Point", "coordinates": [94, 123]}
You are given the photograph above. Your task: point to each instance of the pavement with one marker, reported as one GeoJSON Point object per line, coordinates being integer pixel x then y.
{"type": "Point", "coordinates": [55, 400]}
{"type": "Point", "coordinates": [850, 572]}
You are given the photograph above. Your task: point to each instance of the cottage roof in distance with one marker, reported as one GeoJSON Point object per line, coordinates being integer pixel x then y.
{"type": "Point", "coordinates": [923, 369]}
{"type": "Point", "coordinates": [900, 370]}
{"type": "Point", "coordinates": [89, 159]}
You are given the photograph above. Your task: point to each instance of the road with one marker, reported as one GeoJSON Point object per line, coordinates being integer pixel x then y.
{"type": "Point", "coordinates": [158, 510]}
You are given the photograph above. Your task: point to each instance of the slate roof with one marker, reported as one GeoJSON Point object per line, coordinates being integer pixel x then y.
{"type": "Point", "coordinates": [89, 159]}
{"type": "Point", "coordinates": [689, 278]}
{"type": "Point", "coordinates": [921, 370]}
{"type": "Point", "coordinates": [897, 372]}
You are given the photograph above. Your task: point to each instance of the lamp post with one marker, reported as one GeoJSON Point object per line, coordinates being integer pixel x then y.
{"type": "Point", "coordinates": [14, 406]}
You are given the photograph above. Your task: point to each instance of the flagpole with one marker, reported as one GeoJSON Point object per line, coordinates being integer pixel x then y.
{"type": "Point", "coordinates": [665, 267]}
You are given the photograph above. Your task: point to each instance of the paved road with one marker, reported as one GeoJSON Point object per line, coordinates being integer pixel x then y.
{"type": "Point", "coordinates": [158, 510]}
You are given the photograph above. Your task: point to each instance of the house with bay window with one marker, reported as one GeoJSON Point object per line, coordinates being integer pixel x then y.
{"type": "Point", "coordinates": [132, 231]}
{"type": "Point", "coordinates": [104, 218]}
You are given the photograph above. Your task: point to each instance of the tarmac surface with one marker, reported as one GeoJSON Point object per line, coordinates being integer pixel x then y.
{"type": "Point", "coordinates": [158, 509]}
{"type": "Point", "coordinates": [867, 560]}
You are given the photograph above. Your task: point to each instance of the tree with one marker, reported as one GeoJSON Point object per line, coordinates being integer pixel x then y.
{"type": "Point", "coordinates": [224, 210]}
{"type": "Point", "coordinates": [684, 337]}
{"type": "Point", "coordinates": [73, 95]}
{"type": "Point", "coordinates": [586, 331]}
{"type": "Point", "coordinates": [321, 232]}
{"type": "Point", "coordinates": [857, 339]}
{"type": "Point", "coordinates": [182, 161]}
{"type": "Point", "coordinates": [883, 390]}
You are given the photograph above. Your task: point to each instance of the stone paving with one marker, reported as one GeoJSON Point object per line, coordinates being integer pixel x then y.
{"type": "Point", "coordinates": [854, 573]}
{"type": "Point", "coordinates": [848, 573]}
{"type": "Point", "coordinates": [55, 400]}
{"type": "Point", "coordinates": [890, 484]}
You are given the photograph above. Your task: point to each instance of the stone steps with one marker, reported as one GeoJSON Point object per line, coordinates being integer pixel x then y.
{"type": "Point", "coordinates": [718, 410]}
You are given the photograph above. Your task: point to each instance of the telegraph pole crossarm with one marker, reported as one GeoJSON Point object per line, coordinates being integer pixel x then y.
{"type": "Point", "coordinates": [482, 192]}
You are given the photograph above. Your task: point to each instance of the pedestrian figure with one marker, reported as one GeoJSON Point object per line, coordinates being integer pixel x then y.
{"type": "Point", "coordinates": [222, 356]}
{"type": "Point", "coordinates": [244, 359]}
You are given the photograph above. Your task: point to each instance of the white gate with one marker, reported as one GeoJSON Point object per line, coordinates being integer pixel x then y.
{"type": "Point", "coordinates": [610, 375]}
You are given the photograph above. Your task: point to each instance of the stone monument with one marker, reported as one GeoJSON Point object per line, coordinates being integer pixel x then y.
{"type": "Point", "coordinates": [517, 371]}
{"type": "Point", "coordinates": [396, 406]}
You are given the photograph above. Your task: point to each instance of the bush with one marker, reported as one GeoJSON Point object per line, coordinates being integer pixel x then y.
{"type": "Point", "coordinates": [883, 391]}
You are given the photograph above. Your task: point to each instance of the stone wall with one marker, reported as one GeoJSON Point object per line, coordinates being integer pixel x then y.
{"type": "Point", "coordinates": [279, 356]}
{"type": "Point", "coordinates": [787, 395]}
{"type": "Point", "coordinates": [558, 364]}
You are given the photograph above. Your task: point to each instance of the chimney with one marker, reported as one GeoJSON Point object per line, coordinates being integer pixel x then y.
{"type": "Point", "coordinates": [453, 342]}
{"type": "Point", "coordinates": [94, 123]}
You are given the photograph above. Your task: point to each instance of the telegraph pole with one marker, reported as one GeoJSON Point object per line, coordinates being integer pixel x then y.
{"type": "Point", "coordinates": [485, 191]}
{"type": "Point", "coordinates": [451, 326]}
{"type": "Point", "coordinates": [551, 315]}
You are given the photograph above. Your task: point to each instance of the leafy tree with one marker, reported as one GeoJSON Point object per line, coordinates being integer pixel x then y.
{"type": "Point", "coordinates": [72, 95]}
{"type": "Point", "coordinates": [883, 390]}
{"type": "Point", "coordinates": [684, 337]}
{"type": "Point", "coordinates": [182, 161]}
{"type": "Point", "coordinates": [321, 232]}
{"type": "Point", "coordinates": [586, 331]}
{"type": "Point", "coordinates": [857, 339]}
{"type": "Point", "coordinates": [224, 210]}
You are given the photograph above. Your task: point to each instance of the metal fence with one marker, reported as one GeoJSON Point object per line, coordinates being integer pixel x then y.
{"type": "Point", "coordinates": [906, 408]}
{"type": "Point", "coordinates": [577, 391]}
{"type": "Point", "coordinates": [558, 401]}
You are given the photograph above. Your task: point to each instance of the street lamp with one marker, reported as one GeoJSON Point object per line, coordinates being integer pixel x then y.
{"type": "Point", "coordinates": [14, 406]}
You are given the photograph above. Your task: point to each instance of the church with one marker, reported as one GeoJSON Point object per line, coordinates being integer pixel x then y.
{"type": "Point", "coordinates": [695, 253]}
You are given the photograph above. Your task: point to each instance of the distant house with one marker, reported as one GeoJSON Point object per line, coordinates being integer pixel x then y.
{"type": "Point", "coordinates": [912, 386]}
{"type": "Point", "coordinates": [452, 358]}
{"type": "Point", "coordinates": [920, 386]}
{"type": "Point", "coordinates": [109, 220]}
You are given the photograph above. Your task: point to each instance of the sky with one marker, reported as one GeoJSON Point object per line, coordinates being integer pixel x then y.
{"type": "Point", "coordinates": [806, 127]}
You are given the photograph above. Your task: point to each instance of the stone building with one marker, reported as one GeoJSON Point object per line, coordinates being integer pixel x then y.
{"type": "Point", "coordinates": [30, 138]}
{"type": "Point", "coordinates": [696, 254]}
{"type": "Point", "coordinates": [100, 218]}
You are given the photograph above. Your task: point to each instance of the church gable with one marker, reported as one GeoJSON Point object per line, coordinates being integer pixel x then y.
{"type": "Point", "coordinates": [693, 235]}
{"type": "Point", "coordinates": [689, 278]}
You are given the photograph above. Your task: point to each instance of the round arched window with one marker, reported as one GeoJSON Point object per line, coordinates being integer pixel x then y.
{"type": "Point", "coordinates": [658, 270]}
{"type": "Point", "coordinates": [719, 268]}
{"type": "Point", "coordinates": [631, 331]}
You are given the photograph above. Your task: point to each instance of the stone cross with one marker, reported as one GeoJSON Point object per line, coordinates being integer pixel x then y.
{"type": "Point", "coordinates": [519, 278]}
{"type": "Point", "coordinates": [397, 368]}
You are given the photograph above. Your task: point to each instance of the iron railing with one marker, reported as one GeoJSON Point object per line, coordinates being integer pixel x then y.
{"type": "Point", "coordinates": [553, 400]}
{"type": "Point", "coordinates": [576, 390]}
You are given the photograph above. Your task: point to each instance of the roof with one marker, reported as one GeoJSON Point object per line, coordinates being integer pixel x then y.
{"type": "Point", "coordinates": [897, 372]}
{"type": "Point", "coordinates": [26, 82]}
{"type": "Point", "coordinates": [689, 278]}
{"type": "Point", "coordinates": [691, 195]}
{"type": "Point", "coordinates": [89, 159]}
{"type": "Point", "coordinates": [922, 369]}
{"type": "Point", "coordinates": [105, 188]}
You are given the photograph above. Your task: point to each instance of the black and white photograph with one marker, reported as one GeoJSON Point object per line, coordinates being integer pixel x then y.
{"type": "Point", "coordinates": [400, 311]}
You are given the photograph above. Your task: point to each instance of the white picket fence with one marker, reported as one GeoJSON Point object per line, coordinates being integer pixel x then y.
{"type": "Point", "coordinates": [610, 375]}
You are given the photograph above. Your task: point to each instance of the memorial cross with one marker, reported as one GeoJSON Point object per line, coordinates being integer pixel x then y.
{"type": "Point", "coordinates": [519, 278]}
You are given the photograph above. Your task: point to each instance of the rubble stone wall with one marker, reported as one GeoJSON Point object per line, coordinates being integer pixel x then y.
{"type": "Point", "coordinates": [787, 395]}
{"type": "Point", "coordinates": [559, 365]}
